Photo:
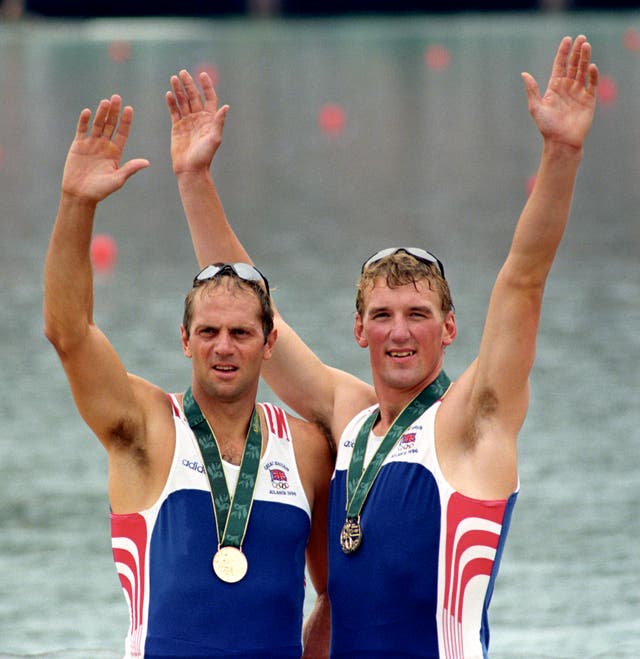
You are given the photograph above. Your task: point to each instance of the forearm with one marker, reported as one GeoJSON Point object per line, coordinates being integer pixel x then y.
{"type": "Point", "coordinates": [212, 236]}
{"type": "Point", "coordinates": [545, 215]}
{"type": "Point", "coordinates": [68, 284]}
{"type": "Point", "coordinates": [316, 632]}
{"type": "Point", "coordinates": [508, 345]}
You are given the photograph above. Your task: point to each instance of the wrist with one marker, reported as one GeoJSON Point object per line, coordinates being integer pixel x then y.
{"type": "Point", "coordinates": [195, 177]}
{"type": "Point", "coordinates": [183, 166]}
{"type": "Point", "coordinates": [562, 150]}
{"type": "Point", "coordinates": [71, 199]}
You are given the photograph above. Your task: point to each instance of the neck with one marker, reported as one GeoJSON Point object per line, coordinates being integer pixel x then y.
{"type": "Point", "coordinates": [229, 422]}
{"type": "Point", "coordinates": [392, 401]}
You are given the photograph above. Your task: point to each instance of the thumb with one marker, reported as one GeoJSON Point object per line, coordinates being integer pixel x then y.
{"type": "Point", "coordinates": [131, 167]}
{"type": "Point", "coordinates": [221, 116]}
{"type": "Point", "coordinates": [530, 86]}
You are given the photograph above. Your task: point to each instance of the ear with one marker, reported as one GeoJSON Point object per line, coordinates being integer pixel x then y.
{"type": "Point", "coordinates": [186, 348]}
{"type": "Point", "coordinates": [270, 343]}
{"type": "Point", "coordinates": [359, 332]}
{"type": "Point", "coordinates": [450, 329]}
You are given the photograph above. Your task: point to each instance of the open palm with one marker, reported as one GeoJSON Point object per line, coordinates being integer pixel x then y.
{"type": "Point", "coordinates": [92, 170]}
{"type": "Point", "coordinates": [196, 126]}
{"type": "Point", "coordinates": [565, 113]}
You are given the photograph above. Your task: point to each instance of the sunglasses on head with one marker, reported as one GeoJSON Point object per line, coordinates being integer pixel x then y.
{"type": "Point", "coordinates": [416, 252]}
{"type": "Point", "coordinates": [244, 271]}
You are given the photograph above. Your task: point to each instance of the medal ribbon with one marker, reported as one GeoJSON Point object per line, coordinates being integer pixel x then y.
{"type": "Point", "coordinates": [359, 482]}
{"type": "Point", "coordinates": [231, 514]}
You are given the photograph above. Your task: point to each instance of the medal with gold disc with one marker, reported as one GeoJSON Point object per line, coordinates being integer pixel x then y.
{"type": "Point", "coordinates": [230, 564]}
{"type": "Point", "coordinates": [231, 513]}
{"type": "Point", "coordinates": [360, 480]}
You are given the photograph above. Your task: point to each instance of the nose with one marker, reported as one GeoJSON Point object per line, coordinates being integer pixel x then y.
{"type": "Point", "coordinates": [399, 329]}
{"type": "Point", "coordinates": [224, 343]}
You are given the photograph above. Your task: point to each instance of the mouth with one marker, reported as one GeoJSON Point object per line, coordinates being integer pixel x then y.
{"type": "Point", "coordinates": [224, 368]}
{"type": "Point", "coordinates": [401, 354]}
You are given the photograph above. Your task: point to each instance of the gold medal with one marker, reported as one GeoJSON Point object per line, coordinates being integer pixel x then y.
{"type": "Point", "coordinates": [230, 564]}
{"type": "Point", "coordinates": [231, 511]}
{"type": "Point", "coordinates": [351, 535]}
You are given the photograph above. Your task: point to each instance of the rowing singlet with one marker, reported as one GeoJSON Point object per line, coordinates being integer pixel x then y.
{"type": "Point", "coordinates": [178, 606]}
{"type": "Point", "coordinates": [421, 582]}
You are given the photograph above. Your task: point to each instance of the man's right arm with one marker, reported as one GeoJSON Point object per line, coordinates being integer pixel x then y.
{"type": "Point", "coordinates": [314, 390]}
{"type": "Point", "coordinates": [91, 173]}
{"type": "Point", "coordinates": [111, 402]}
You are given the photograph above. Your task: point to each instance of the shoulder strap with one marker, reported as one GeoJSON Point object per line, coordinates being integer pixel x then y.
{"type": "Point", "coordinates": [175, 406]}
{"type": "Point", "coordinates": [276, 421]}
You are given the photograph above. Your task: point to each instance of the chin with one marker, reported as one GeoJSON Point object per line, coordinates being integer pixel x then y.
{"type": "Point", "coordinates": [406, 382]}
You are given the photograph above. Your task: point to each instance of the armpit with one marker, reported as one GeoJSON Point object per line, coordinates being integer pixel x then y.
{"type": "Point", "coordinates": [326, 431]}
{"type": "Point", "coordinates": [123, 436]}
{"type": "Point", "coordinates": [487, 404]}
{"type": "Point", "coordinates": [484, 407]}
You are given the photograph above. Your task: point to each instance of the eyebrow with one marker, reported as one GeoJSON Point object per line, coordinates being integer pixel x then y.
{"type": "Point", "coordinates": [230, 327]}
{"type": "Point", "coordinates": [416, 307]}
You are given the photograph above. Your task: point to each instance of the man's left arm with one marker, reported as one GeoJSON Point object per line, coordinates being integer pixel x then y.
{"type": "Point", "coordinates": [316, 632]}
{"type": "Point", "coordinates": [315, 463]}
{"type": "Point", "coordinates": [563, 116]}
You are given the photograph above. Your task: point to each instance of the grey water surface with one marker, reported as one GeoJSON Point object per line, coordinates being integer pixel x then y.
{"type": "Point", "coordinates": [438, 158]}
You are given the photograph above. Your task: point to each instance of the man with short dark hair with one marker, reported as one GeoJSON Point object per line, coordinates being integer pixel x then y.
{"type": "Point", "coordinates": [215, 499]}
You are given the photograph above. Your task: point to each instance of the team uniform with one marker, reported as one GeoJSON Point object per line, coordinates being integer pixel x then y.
{"type": "Point", "coordinates": [178, 606]}
{"type": "Point", "coordinates": [421, 582]}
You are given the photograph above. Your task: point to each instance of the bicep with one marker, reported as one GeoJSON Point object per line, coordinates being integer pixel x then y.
{"type": "Point", "coordinates": [102, 388]}
{"type": "Point", "coordinates": [509, 337]}
{"type": "Point", "coordinates": [508, 346]}
{"type": "Point", "coordinates": [311, 388]}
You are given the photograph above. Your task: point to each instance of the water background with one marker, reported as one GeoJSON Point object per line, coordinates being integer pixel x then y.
{"type": "Point", "coordinates": [438, 158]}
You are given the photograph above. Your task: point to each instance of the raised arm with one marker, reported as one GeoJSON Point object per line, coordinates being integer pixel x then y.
{"type": "Point", "coordinates": [92, 171]}
{"type": "Point", "coordinates": [498, 381]}
{"type": "Point", "coordinates": [196, 135]}
{"type": "Point", "coordinates": [311, 388]}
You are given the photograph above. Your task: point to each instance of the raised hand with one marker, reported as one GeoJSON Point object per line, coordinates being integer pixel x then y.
{"type": "Point", "coordinates": [196, 126]}
{"type": "Point", "coordinates": [92, 170]}
{"type": "Point", "coordinates": [565, 113]}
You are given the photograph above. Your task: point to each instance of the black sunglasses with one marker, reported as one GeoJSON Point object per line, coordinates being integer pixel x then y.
{"type": "Point", "coordinates": [416, 252]}
{"type": "Point", "coordinates": [245, 271]}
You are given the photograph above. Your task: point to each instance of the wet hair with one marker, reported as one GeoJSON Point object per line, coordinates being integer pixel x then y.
{"type": "Point", "coordinates": [400, 269]}
{"type": "Point", "coordinates": [232, 279]}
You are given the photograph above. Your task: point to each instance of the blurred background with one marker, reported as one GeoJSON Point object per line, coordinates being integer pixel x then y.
{"type": "Point", "coordinates": [352, 127]}
{"type": "Point", "coordinates": [77, 8]}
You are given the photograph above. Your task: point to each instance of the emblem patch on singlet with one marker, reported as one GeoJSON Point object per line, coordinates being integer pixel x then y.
{"type": "Point", "coordinates": [279, 479]}
{"type": "Point", "coordinates": [408, 439]}
{"type": "Point", "coordinates": [278, 474]}
{"type": "Point", "coordinates": [406, 445]}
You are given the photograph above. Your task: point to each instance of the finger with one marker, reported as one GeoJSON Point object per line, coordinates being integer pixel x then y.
{"type": "Point", "coordinates": [560, 62]}
{"type": "Point", "coordinates": [172, 107]}
{"type": "Point", "coordinates": [575, 57]}
{"type": "Point", "coordinates": [210, 96]}
{"type": "Point", "coordinates": [182, 102]}
{"type": "Point", "coordinates": [120, 137]}
{"type": "Point", "coordinates": [583, 65]}
{"type": "Point", "coordinates": [593, 74]}
{"type": "Point", "coordinates": [193, 94]}
{"type": "Point", "coordinates": [100, 118]}
{"type": "Point", "coordinates": [112, 117]}
{"type": "Point", "coordinates": [83, 124]}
